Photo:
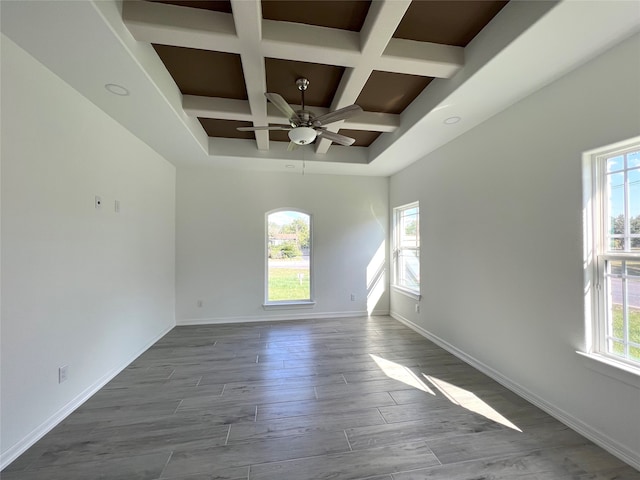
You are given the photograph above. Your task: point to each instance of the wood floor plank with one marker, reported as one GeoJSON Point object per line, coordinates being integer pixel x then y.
{"type": "Point", "coordinates": [292, 426]}
{"type": "Point", "coordinates": [188, 460]}
{"type": "Point", "coordinates": [580, 462]}
{"type": "Point", "coordinates": [254, 374]}
{"type": "Point", "coordinates": [490, 444]}
{"type": "Point", "coordinates": [149, 408]}
{"type": "Point", "coordinates": [311, 407]}
{"type": "Point", "coordinates": [138, 394]}
{"type": "Point", "coordinates": [438, 426]}
{"type": "Point", "coordinates": [291, 382]}
{"type": "Point", "coordinates": [268, 394]}
{"type": "Point", "coordinates": [144, 467]}
{"type": "Point", "coordinates": [234, 473]}
{"type": "Point", "coordinates": [349, 466]}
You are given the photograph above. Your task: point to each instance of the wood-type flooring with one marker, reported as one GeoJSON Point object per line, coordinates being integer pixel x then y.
{"type": "Point", "coordinates": [335, 399]}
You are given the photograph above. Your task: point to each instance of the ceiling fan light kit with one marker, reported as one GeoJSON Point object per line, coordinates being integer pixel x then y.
{"type": "Point", "coordinates": [302, 135]}
{"type": "Point", "coordinates": [304, 126]}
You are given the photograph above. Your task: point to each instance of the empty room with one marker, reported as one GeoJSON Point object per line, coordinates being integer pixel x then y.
{"type": "Point", "coordinates": [307, 240]}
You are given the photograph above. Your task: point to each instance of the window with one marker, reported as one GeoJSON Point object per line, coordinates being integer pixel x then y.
{"type": "Point", "coordinates": [616, 218]}
{"type": "Point", "coordinates": [288, 257]}
{"type": "Point", "coordinates": [406, 248]}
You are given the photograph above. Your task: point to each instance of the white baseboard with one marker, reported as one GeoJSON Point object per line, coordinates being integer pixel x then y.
{"type": "Point", "coordinates": [615, 448]}
{"type": "Point", "coordinates": [300, 315]}
{"type": "Point", "coordinates": [40, 431]}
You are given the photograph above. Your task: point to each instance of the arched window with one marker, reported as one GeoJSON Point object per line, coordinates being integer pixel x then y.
{"type": "Point", "coordinates": [288, 253]}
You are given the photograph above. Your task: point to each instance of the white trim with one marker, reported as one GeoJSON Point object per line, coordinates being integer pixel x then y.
{"type": "Point", "coordinates": [596, 436]}
{"type": "Point", "coordinates": [289, 305]}
{"type": "Point", "coordinates": [618, 147]}
{"type": "Point", "coordinates": [266, 253]}
{"type": "Point", "coordinates": [270, 318]}
{"type": "Point", "coordinates": [45, 427]}
{"type": "Point", "coordinates": [406, 292]}
{"type": "Point", "coordinates": [610, 367]}
{"type": "Point", "coordinates": [596, 254]}
{"type": "Point", "coordinates": [396, 218]}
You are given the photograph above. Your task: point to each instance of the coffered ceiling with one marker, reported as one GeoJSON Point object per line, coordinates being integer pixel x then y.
{"type": "Point", "coordinates": [424, 72]}
{"type": "Point", "coordinates": [275, 42]}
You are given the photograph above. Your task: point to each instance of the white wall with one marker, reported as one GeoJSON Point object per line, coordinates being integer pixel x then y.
{"type": "Point", "coordinates": [81, 287]}
{"type": "Point", "coordinates": [501, 225]}
{"type": "Point", "coordinates": [221, 241]}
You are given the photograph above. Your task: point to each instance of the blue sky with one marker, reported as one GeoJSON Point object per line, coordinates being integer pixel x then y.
{"type": "Point", "coordinates": [616, 164]}
{"type": "Point", "coordinates": [285, 217]}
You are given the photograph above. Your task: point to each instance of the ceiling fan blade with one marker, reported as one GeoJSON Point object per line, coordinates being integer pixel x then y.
{"type": "Point", "coordinates": [270, 127]}
{"type": "Point", "coordinates": [338, 115]}
{"type": "Point", "coordinates": [292, 146]}
{"type": "Point", "coordinates": [282, 105]}
{"type": "Point", "coordinates": [336, 137]}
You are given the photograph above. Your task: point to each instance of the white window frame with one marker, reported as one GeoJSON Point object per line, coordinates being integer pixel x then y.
{"type": "Point", "coordinates": [597, 255]}
{"type": "Point", "coordinates": [287, 304]}
{"type": "Point", "coordinates": [398, 213]}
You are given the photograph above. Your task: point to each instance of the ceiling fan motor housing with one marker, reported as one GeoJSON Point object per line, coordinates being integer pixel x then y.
{"type": "Point", "coordinates": [306, 116]}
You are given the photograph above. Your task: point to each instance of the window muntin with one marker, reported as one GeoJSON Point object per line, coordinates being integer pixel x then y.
{"type": "Point", "coordinates": [288, 252]}
{"type": "Point", "coordinates": [622, 315]}
{"type": "Point", "coordinates": [622, 201]}
{"type": "Point", "coordinates": [618, 257]}
{"type": "Point", "coordinates": [407, 247]}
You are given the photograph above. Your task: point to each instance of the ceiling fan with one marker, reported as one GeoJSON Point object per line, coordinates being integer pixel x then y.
{"type": "Point", "coordinates": [304, 126]}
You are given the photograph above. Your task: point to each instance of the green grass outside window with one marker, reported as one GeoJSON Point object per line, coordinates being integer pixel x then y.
{"type": "Point", "coordinates": [289, 284]}
{"type": "Point", "coordinates": [634, 331]}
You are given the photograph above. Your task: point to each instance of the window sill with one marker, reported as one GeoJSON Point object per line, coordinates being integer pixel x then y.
{"type": "Point", "coordinates": [407, 292]}
{"type": "Point", "coordinates": [288, 305]}
{"type": "Point", "coordinates": [612, 368]}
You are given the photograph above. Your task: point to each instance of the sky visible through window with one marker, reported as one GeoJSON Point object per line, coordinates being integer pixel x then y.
{"type": "Point", "coordinates": [616, 164]}
{"type": "Point", "coordinates": [285, 217]}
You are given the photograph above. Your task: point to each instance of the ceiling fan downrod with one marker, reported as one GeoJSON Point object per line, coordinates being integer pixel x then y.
{"type": "Point", "coordinates": [302, 84]}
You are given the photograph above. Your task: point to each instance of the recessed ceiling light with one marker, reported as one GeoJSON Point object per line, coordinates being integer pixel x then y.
{"type": "Point", "coordinates": [290, 166]}
{"type": "Point", "coordinates": [117, 89]}
{"type": "Point", "coordinates": [452, 120]}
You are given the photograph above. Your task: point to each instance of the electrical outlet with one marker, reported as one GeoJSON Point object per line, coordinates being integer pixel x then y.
{"type": "Point", "coordinates": [63, 373]}
{"type": "Point", "coordinates": [417, 308]}
{"type": "Point", "coordinates": [199, 303]}
{"type": "Point", "coordinates": [116, 206]}
{"type": "Point", "coordinates": [353, 297]}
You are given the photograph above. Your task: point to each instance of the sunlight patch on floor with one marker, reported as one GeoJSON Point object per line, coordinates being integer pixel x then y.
{"type": "Point", "coordinates": [401, 373]}
{"type": "Point", "coordinates": [470, 401]}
